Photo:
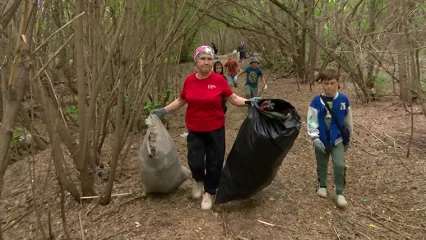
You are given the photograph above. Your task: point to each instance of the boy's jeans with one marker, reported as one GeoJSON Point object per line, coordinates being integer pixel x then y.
{"type": "Point", "coordinates": [339, 169]}
{"type": "Point", "coordinates": [231, 80]}
{"type": "Point", "coordinates": [251, 92]}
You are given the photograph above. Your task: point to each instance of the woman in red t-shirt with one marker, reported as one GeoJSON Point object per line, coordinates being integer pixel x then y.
{"type": "Point", "coordinates": [203, 92]}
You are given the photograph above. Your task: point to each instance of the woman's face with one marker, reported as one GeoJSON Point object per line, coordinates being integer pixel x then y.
{"type": "Point", "coordinates": [204, 63]}
{"type": "Point", "coordinates": [218, 68]}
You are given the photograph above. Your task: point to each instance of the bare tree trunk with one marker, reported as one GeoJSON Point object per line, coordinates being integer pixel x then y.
{"type": "Point", "coordinates": [86, 178]}
{"type": "Point", "coordinates": [8, 14]}
{"type": "Point", "coordinates": [51, 120]}
{"type": "Point", "coordinates": [96, 63]}
{"type": "Point", "coordinates": [26, 122]}
{"type": "Point", "coordinates": [16, 87]}
{"type": "Point", "coordinates": [186, 51]}
{"type": "Point", "coordinates": [63, 217]}
{"type": "Point", "coordinates": [321, 26]}
{"type": "Point", "coordinates": [3, 73]}
{"type": "Point", "coordinates": [302, 48]}
{"type": "Point", "coordinates": [94, 94]}
{"type": "Point", "coordinates": [414, 61]}
{"type": "Point", "coordinates": [119, 124]}
{"type": "Point", "coordinates": [370, 59]}
{"type": "Point", "coordinates": [312, 62]}
{"type": "Point", "coordinates": [404, 82]}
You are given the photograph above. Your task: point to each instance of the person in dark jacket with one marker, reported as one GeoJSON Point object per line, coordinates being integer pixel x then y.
{"type": "Point", "coordinates": [242, 51]}
{"type": "Point", "coordinates": [215, 49]}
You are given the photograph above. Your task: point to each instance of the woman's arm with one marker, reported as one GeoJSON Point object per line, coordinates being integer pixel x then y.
{"type": "Point", "coordinates": [175, 105]}
{"type": "Point", "coordinates": [236, 100]}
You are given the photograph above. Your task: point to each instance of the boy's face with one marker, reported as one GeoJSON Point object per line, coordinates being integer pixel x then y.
{"type": "Point", "coordinates": [254, 64]}
{"type": "Point", "coordinates": [330, 87]}
{"type": "Point", "coordinates": [229, 58]}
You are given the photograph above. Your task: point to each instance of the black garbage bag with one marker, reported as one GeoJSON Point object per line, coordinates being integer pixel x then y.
{"type": "Point", "coordinates": [264, 139]}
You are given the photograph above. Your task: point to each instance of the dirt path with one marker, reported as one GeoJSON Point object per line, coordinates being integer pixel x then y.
{"type": "Point", "coordinates": [386, 201]}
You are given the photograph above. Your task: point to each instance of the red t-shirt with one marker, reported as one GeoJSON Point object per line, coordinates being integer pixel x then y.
{"type": "Point", "coordinates": [232, 67]}
{"type": "Point", "coordinates": [204, 98]}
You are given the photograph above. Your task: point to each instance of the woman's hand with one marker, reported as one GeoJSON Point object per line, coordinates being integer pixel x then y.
{"type": "Point", "coordinates": [160, 112]}
{"type": "Point", "coordinates": [254, 100]}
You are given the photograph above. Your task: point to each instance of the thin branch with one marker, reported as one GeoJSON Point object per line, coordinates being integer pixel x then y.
{"type": "Point", "coordinates": [411, 131]}
{"type": "Point", "coordinates": [384, 225]}
{"type": "Point", "coordinates": [57, 31]}
{"type": "Point", "coordinates": [52, 58]}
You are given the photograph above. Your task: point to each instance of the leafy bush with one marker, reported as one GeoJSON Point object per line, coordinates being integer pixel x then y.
{"type": "Point", "coordinates": [381, 82]}
{"type": "Point", "coordinates": [15, 138]}
{"type": "Point", "coordinates": [72, 111]}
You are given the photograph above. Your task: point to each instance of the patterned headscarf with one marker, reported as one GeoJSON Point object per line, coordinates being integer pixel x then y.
{"type": "Point", "coordinates": [203, 50]}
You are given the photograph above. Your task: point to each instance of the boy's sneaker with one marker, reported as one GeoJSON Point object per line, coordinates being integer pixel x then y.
{"type": "Point", "coordinates": [206, 203]}
{"type": "Point", "coordinates": [341, 201]}
{"type": "Point", "coordinates": [322, 192]}
{"type": "Point", "coordinates": [197, 189]}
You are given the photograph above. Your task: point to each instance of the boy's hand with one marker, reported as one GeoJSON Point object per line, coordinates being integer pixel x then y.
{"type": "Point", "coordinates": [347, 146]}
{"type": "Point", "coordinates": [318, 145]}
{"type": "Point", "coordinates": [236, 79]}
{"type": "Point", "coordinates": [265, 87]}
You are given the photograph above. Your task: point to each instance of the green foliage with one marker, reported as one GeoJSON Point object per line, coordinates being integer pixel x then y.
{"type": "Point", "coordinates": [330, 5]}
{"type": "Point", "coordinates": [172, 93]}
{"type": "Point", "coordinates": [317, 12]}
{"type": "Point", "coordinates": [72, 111]}
{"type": "Point", "coordinates": [364, 24]}
{"type": "Point", "coordinates": [189, 44]}
{"type": "Point", "coordinates": [15, 138]}
{"type": "Point", "coordinates": [423, 85]}
{"type": "Point", "coordinates": [381, 82]}
{"type": "Point", "coordinates": [149, 106]}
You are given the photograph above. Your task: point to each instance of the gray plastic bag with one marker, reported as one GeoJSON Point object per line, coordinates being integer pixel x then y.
{"type": "Point", "coordinates": [161, 170]}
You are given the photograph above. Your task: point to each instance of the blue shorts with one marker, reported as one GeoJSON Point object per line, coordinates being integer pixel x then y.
{"type": "Point", "coordinates": [231, 80]}
{"type": "Point", "coordinates": [251, 91]}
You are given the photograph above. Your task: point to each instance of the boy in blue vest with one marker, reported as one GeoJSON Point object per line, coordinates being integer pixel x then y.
{"type": "Point", "coordinates": [325, 131]}
{"type": "Point", "coordinates": [252, 79]}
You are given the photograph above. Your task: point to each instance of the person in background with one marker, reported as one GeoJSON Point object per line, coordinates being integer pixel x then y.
{"type": "Point", "coordinates": [242, 51]}
{"type": "Point", "coordinates": [324, 128]}
{"type": "Point", "coordinates": [252, 79]}
{"type": "Point", "coordinates": [215, 50]}
{"type": "Point", "coordinates": [203, 92]}
{"type": "Point", "coordinates": [231, 68]}
{"type": "Point", "coordinates": [218, 68]}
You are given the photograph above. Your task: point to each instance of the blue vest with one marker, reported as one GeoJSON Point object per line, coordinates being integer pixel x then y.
{"type": "Point", "coordinates": [340, 109]}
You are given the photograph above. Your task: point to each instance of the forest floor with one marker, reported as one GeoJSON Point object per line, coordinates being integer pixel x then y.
{"type": "Point", "coordinates": [385, 190]}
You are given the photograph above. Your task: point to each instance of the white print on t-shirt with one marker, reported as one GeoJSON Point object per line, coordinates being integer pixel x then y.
{"type": "Point", "coordinates": [342, 106]}
{"type": "Point", "coordinates": [211, 86]}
